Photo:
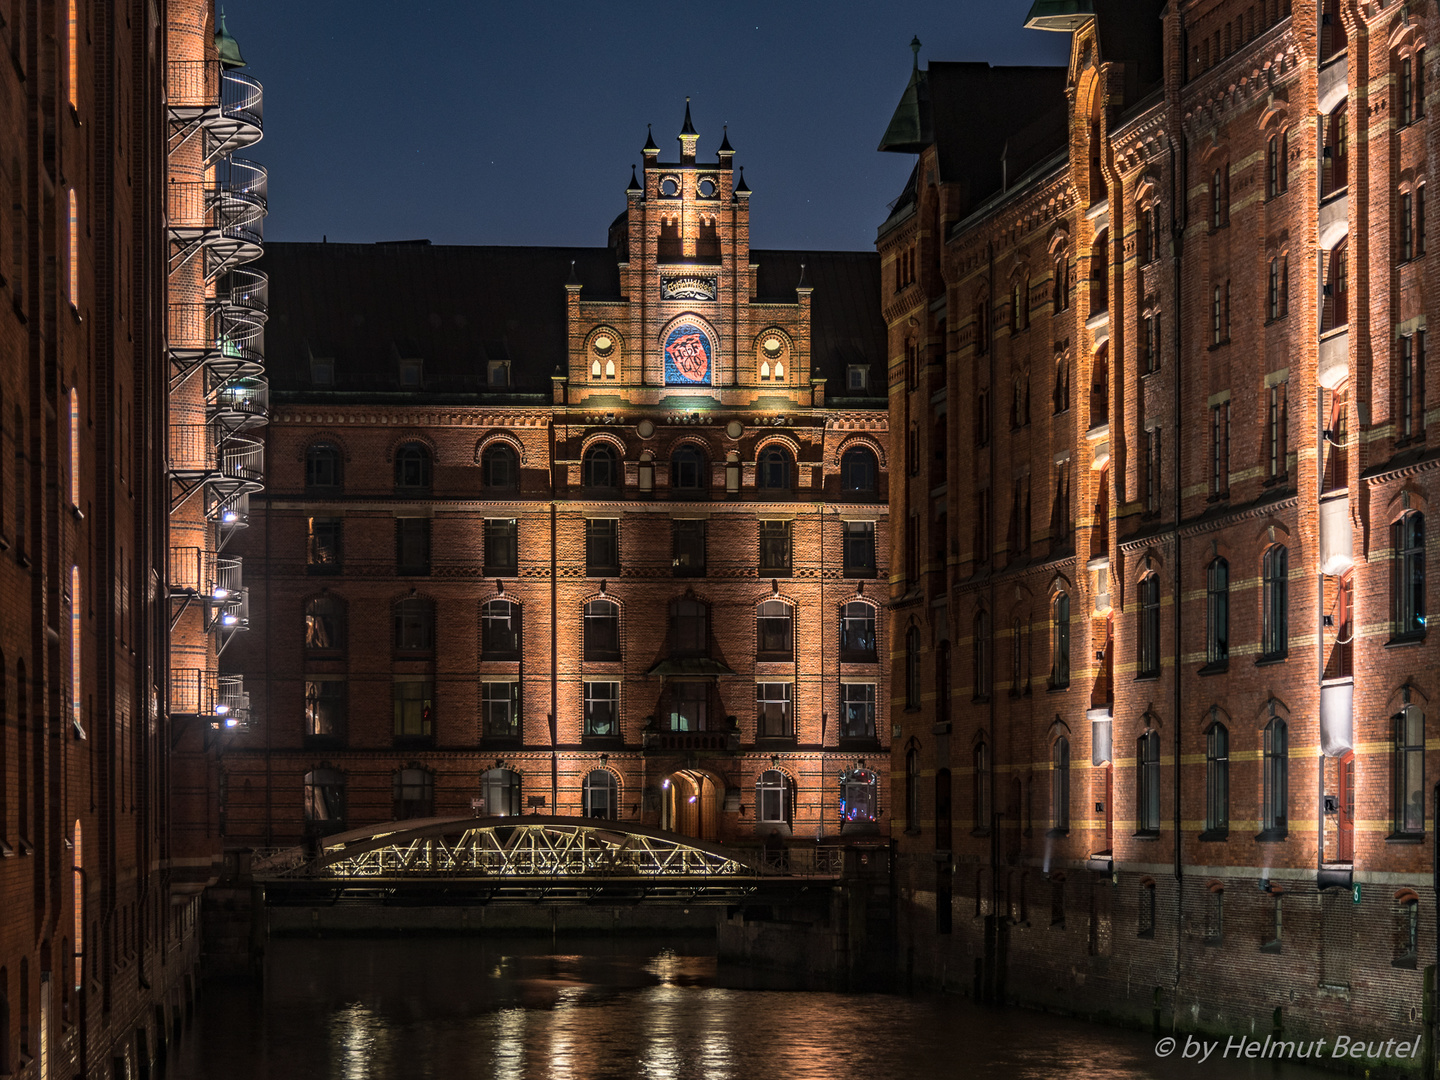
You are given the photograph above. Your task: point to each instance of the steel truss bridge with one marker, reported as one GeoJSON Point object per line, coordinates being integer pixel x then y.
{"type": "Point", "coordinates": [536, 859]}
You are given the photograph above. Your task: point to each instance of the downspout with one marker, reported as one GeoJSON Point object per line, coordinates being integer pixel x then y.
{"type": "Point", "coordinates": [994, 934]}
{"type": "Point", "coordinates": [554, 629]}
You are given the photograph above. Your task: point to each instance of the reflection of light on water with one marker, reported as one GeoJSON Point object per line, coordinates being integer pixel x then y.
{"type": "Point", "coordinates": [664, 966]}
{"type": "Point", "coordinates": [510, 1027]}
{"type": "Point", "coordinates": [360, 1040]}
{"type": "Point", "coordinates": [562, 1035]}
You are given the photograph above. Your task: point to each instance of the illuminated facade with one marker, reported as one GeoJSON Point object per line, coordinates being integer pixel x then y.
{"type": "Point", "coordinates": [594, 531]}
{"type": "Point", "coordinates": [1167, 653]}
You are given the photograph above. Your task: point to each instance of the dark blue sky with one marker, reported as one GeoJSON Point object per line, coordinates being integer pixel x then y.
{"type": "Point", "coordinates": [517, 123]}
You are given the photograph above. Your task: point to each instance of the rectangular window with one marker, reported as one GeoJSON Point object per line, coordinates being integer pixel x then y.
{"type": "Point", "coordinates": [1060, 523]}
{"type": "Point", "coordinates": [324, 709]}
{"type": "Point", "coordinates": [1407, 92]}
{"type": "Point", "coordinates": [72, 56]}
{"type": "Point", "coordinates": [982, 525]}
{"type": "Point", "coordinates": [75, 654]}
{"type": "Point", "coordinates": [411, 374]}
{"type": "Point", "coordinates": [857, 378]}
{"type": "Point", "coordinates": [1276, 433]}
{"type": "Point", "coordinates": [323, 545]}
{"type": "Point", "coordinates": [414, 705]}
{"type": "Point", "coordinates": [501, 546]}
{"type": "Point", "coordinates": [602, 546]}
{"type": "Point", "coordinates": [74, 251]}
{"type": "Point", "coordinates": [774, 716]}
{"type": "Point", "coordinates": [982, 418]}
{"type": "Point", "coordinates": [1152, 343]}
{"type": "Point", "coordinates": [1407, 227]}
{"type": "Point", "coordinates": [688, 537]}
{"type": "Point", "coordinates": [1220, 450]}
{"type": "Point", "coordinates": [859, 548]}
{"type": "Point", "coordinates": [912, 549]}
{"type": "Point", "coordinates": [689, 702]}
{"type": "Point", "coordinates": [412, 545]}
{"type": "Point", "coordinates": [74, 447]}
{"type": "Point", "coordinates": [500, 706]}
{"type": "Point", "coordinates": [775, 548]}
{"type": "Point", "coordinates": [857, 710]}
{"type": "Point", "coordinates": [602, 709]}
{"type": "Point", "coordinates": [1412, 385]}
{"type": "Point", "coordinates": [1152, 470]}
{"type": "Point", "coordinates": [1215, 317]}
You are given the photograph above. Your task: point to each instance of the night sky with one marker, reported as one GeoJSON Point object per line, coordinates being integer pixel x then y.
{"type": "Point", "coordinates": [517, 123]}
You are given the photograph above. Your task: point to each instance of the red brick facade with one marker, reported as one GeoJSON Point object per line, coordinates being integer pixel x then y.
{"type": "Point", "coordinates": [98, 942]}
{"type": "Point", "coordinates": [525, 446]}
{"type": "Point", "coordinates": [1162, 562]}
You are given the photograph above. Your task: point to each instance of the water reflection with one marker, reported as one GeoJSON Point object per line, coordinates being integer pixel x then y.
{"type": "Point", "coordinates": [615, 1009]}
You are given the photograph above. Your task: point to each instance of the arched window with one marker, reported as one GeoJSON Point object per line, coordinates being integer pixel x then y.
{"type": "Point", "coordinates": [857, 632]}
{"type": "Point", "coordinates": [1275, 799]}
{"type": "Point", "coordinates": [689, 628]}
{"type": "Point", "coordinates": [689, 469]}
{"type": "Point", "coordinates": [1060, 642]}
{"type": "Point", "coordinates": [912, 791]}
{"type": "Point", "coordinates": [1217, 614]}
{"type": "Point", "coordinates": [1060, 284]}
{"type": "Point", "coordinates": [324, 711]}
{"type": "Point", "coordinates": [600, 467]}
{"type": "Point", "coordinates": [772, 471]}
{"type": "Point", "coordinates": [774, 798]}
{"type": "Point", "coordinates": [412, 468]}
{"type": "Point", "coordinates": [981, 789]}
{"type": "Point", "coordinates": [500, 792]}
{"type": "Point", "coordinates": [942, 683]}
{"type": "Point", "coordinates": [324, 802]}
{"type": "Point", "coordinates": [1275, 589]}
{"type": "Point", "coordinates": [602, 630]}
{"type": "Point", "coordinates": [1147, 782]}
{"type": "Point", "coordinates": [1409, 815]}
{"type": "Point", "coordinates": [1409, 582]}
{"type": "Point", "coordinates": [1217, 781]}
{"type": "Point", "coordinates": [858, 471]}
{"type": "Point", "coordinates": [774, 639]}
{"type": "Point", "coordinates": [912, 668]}
{"type": "Point", "coordinates": [500, 630]}
{"type": "Point", "coordinates": [414, 623]}
{"type": "Point", "coordinates": [859, 796]}
{"type": "Point", "coordinates": [601, 795]}
{"type": "Point", "coordinates": [323, 470]}
{"type": "Point", "coordinates": [499, 468]}
{"type": "Point", "coordinates": [1148, 630]}
{"type": "Point", "coordinates": [944, 812]}
{"type": "Point", "coordinates": [324, 624]}
{"type": "Point", "coordinates": [414, 793]}
{"type": "Point", "coordinates": [1060, 785]}
{"type": "Point", "coordinates": [980, 652]}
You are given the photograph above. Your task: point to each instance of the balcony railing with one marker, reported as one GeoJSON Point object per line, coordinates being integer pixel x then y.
{"type": "Point", "coordinates": [227, 105]}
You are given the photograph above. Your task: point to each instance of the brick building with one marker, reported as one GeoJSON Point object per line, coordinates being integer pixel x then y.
{"type": "Point", "coordinates": [587, 531]}
{"type": "Point", "coordinates": [1161, 670]}
{"type": "Point", "coordinates": [98, 902]}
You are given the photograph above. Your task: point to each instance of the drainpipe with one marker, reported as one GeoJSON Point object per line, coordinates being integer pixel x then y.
{"type": "Point", "coordinates": [992, 937]}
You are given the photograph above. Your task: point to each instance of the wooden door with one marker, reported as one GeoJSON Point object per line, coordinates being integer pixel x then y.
{"type": "Point", "coordinates": [1345, 816]}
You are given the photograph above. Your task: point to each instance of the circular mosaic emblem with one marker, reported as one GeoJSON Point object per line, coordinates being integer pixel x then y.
{"type": "Point", "coordinates": [688, 359]}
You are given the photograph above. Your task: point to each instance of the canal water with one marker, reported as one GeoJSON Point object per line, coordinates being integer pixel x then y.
{"type": "Point", "coordinates": [616, 1009]}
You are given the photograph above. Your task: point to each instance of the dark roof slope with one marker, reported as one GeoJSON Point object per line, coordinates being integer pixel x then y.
{"type": "Point", "coordinates": [457, 308]}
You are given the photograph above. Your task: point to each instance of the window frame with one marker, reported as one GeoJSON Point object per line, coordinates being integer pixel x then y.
{"type": "Point", "coordinates": [1275, 780]}
{"type": "Point", "coordinates": [1217, 615]}
{"type": "Point", "coordinates": [781, 695]}
{"type": "Point", "coordinates": [414, 469]}
{"type": "Point", "coordinates": [1409, 772]}
{"type": "Point", "coordinates": [501, 547]}
{"type": "Point", "coordinates": [413, 701]}
{"type": "Point", "coordinates": [774, 644]}
{"type": "Point", "coordinates": [687, 547]}
{"type": "Point", "coordinates": [593, 697]}
{"type": "Point", "coordinates": [600, 638]}
{"type": "Point", "coordinates": [602, 546]}
{"type": "Point", "coordinates": [500, 710]}
{"type": "Point", "coordinates": [857, 698]}
{"type": "Point", "coordinates": [1147, 638]}
{"type": "Point", "coordinates": [602, 782]}
{"type": "Point", "coordinates": [1147, 784]}
{"type": "Point", "coordinates": [1060, 787]}
{"type": "Point", "coordinates": [491, 463]}
{"type": "Point", "coordinates": [600, 468]}
{"type": "Point", "coordinates": [774, 470]}
{"type": "Point", "coordinates": [1408, 593]}
{"type": "Point", "coordinates": [1217, 781]}
{"type": "Point", "coordinates": [776, 547]}
{"type": "Point", "coordinates": [494, 646]}
{"type": "Point", "coordinates": [1275, 603]}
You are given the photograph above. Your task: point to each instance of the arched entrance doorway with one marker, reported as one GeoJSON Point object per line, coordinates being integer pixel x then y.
{"type": "Point", "coordinates": [690, 804]}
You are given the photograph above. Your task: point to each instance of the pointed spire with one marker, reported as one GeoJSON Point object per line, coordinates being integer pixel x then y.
{"type": "Point", "coordinates": [688, 137]}
{"type": "Point", "coordinates": [804, 286]}
{"type": "Point", "coordinates": [742, 189]}
{"type": "Point", "coordinates": [573, 285]}
{"type": "Point", "coordinates": [689, 128]}
{"type": "Point", "coordinates": [649, 147]}
{"type": "Point", "coordinates": [634, 187]}
{"type": "Point", "coordinates": [726, 150]}
{"type": "Point", "coordinates": [915, 48]}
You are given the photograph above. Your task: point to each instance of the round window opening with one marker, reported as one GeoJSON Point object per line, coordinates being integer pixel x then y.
{"type": "Point", "coordinates": [772, 347]}
{"type": "Point", "coordinates": [707, 189]}
{"type": "Point", "coordinates": [604, 344]}
{"type": "Point", "coordinates": [669, 186]}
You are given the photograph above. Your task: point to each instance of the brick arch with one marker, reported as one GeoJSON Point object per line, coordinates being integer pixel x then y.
{"type": "Point", "coordinates": [1147, 191]}
{"type": "Point", "coordinates": [1058, 584]}
{"type": "Point", "coordinates": [791, 443]}
{"type": "Point", "coordinates": [783, 334]}
{"type": "Point", "coordinates": [982, 735]}
{"type": "Point", "coordinates": [1215, 713]}
{"type": "Point", "coordinates": [786, 597]}
{"type": "Point", "coordinates": [687, 438]}
{"type": "Point", "coordinates": [324, 436]}
{"type": "Point", "coordinates": [1406, 37]}
{"type": "Point", "coordinates": [867, 441]}
{"type": "Point", "coordinates": [1213, 155]}
{"type": "Point", "coordinates": [401, 439]}
{"type": "Point", "coordinates": [1274, 118]}
{"type": "Point", "coordinates": [1407, 497]}
{"type": "Point", "coordinates": [1059, 240]}
{"type": "Point", "coordinates": [694, 318]}
{"type": "Point", "coordinates": [490, 438]}
{"type": "Point", "coordinates": [1397, 699]}
{"type": "Point", "coordinates": [1146, 562]}
{"type": "Point", "coordinates": [588, 442]}
{"type": "Point", "coordinates": [1280, 709]}
{"type": "Point", "coordinates": [1058, 729]}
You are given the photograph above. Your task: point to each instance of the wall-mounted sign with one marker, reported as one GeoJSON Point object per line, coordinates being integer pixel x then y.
{"type": "Point", "coordinates": [688, 357]}
{"type": "Point", "coordinates": [687, 287]}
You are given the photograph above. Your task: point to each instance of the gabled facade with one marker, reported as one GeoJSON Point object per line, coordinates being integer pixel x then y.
{"type": "Point", "coordinates": [590, 532]}
{"type": "Point", "coordinates": [1167, 658]}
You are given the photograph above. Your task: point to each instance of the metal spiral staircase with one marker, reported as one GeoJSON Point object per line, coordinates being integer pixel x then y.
{"type": "Point", "coordinates": [216, 347]}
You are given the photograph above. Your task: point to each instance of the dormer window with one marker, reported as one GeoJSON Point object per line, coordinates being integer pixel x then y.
{"type": "Point", "coordinates": [411, 374]}
{"type": "Point", "coordinates": [322, 374]}
{"type": "Point", "coordinates": [498, 374]}
{"type": "Point", "coordinates": [857, 378]}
